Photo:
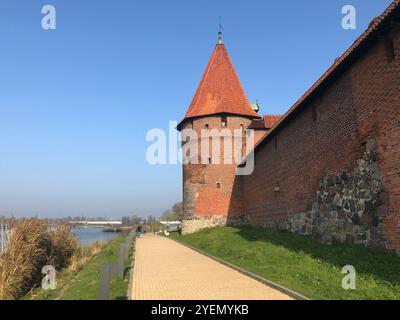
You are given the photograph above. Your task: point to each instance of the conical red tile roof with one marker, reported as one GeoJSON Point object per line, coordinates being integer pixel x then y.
{"type": "Point", "coordinates": [220, 90]}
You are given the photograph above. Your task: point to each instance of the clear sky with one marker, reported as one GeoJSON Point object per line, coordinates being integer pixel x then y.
{"type": "Point", "coordinates": [76, 102]}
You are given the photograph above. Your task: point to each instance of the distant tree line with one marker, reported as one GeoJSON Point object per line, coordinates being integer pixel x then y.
{"type": "Point", "coordinates": [131, 220]}
{"type": "Point", "coordinates": [176, 213]}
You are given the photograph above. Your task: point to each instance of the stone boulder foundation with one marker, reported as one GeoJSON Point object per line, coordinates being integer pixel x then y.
{"type": "Point", "coordinates": [200, 223]}
{"type": "Point", "coordinates": [349, 207]}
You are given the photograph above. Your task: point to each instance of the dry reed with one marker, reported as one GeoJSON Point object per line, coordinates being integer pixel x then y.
{"type": "Point", "coordinates": [83, 255]}
{"type": "Point", "coordinates": [31, 247]}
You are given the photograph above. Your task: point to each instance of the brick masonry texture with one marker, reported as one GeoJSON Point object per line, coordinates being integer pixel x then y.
{"type": "Point", "coordinates": [345, 129]}
{"type": "Point", "coordinates": [201, 197]}
{"type": "Point", "coordinates": [349, 208]}
{"type": "Point", "coordinates": [329, 135]}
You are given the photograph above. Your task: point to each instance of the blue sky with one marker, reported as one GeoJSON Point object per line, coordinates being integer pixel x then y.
{"type": "Point", "coordinates": [76, 102]}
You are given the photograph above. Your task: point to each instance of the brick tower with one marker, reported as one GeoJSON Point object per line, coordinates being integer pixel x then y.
{"type": "Point", "coordinates": [219, 103]}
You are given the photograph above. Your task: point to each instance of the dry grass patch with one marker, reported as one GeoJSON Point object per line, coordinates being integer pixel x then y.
{"type": "Point", "coordinates": [32, 246]}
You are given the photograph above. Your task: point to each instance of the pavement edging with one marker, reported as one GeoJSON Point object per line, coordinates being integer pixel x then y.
{"type": "Point", "coordinates": [131, 273]}
{"type": "Point", "coordinates": [258, 278]}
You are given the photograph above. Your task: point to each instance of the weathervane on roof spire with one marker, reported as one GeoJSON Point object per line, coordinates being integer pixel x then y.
{"type": "Point", "coordinates": [220, 32]}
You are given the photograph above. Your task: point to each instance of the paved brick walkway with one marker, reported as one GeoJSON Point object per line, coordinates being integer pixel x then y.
{"type": "Point", "coordinates": [167, 270]}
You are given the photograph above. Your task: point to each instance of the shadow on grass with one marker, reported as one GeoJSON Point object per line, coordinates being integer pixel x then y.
{"type": "Point", "coordinates": [127, 271]}
{"type": "Point", "coordinates": [383, 265]}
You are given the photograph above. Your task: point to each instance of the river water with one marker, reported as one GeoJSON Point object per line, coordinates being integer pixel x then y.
{"type": "Point", "coordinates": [87, 236]}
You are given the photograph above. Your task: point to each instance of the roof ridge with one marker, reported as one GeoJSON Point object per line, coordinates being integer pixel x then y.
{"type": "Point", "coordinates": [206, 72]}
{"type": "Point", "coordinates": [374, 24]}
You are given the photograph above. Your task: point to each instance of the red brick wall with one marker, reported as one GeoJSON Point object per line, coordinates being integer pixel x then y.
{"type": "Point", "coordinates": [363, 102]}
{"type": "Point", "coordinates": [201, 196]}
{"type": "Point", "coordinates": [258, 134]}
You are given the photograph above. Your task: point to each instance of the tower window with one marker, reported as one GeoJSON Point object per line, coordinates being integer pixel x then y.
{"type": "Point", "coordinates": [191, 124]}
{"type": "Point", "coordinates": [206, 126]}
{"type": "Point", "coordinates": [218, 185]}
{"type": "Point", "coordinates": [224, 121]}
{"type": "Point", "coordinates": [277, 187]}
{"type": "Point", "coordinates": [241, 127]}
{"type": "Point", "coordinates": [209, 160]}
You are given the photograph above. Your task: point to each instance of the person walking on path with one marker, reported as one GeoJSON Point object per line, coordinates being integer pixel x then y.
{"type": "Point", "coordinates": [138, 231]}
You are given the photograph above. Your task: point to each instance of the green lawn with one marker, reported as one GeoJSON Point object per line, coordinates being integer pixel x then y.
{"type": "Point", "coordinates": [63, 279]}
{"type": "Point", "coordinates": [86, 285]}
{"type": "Point", "coordinates": [300, 263]}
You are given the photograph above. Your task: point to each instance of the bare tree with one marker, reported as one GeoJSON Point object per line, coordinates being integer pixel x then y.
{"type": "Point", "coordinates": [176, 213]}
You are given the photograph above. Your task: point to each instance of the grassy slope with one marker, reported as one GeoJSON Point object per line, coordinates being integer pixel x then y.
{"type": "Point", "coordinates": [302, 264]}
{"type": "Point", "coordinates": [87, 284]}
{"type": "Point", "coordinates": [63, 279]}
